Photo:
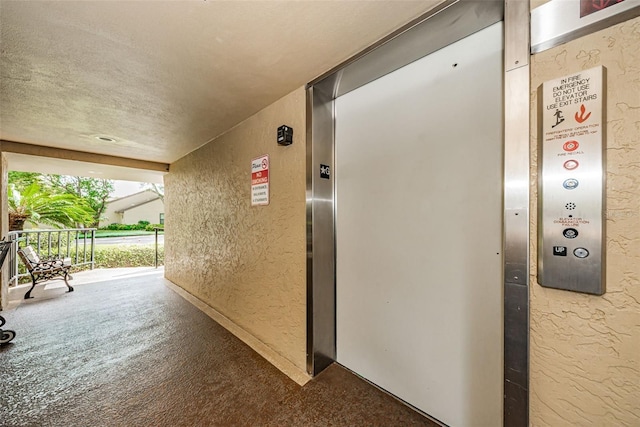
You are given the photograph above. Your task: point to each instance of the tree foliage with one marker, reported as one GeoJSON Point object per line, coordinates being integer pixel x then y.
{"type": "Point", "coordinates": [93, 192]}
{"type": "Point", "coordinates": [38, 206]}
{"type": "Point", "coordinates": [22, 180]}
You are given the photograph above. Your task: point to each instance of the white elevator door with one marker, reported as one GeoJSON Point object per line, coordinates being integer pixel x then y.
{"type": "Point", "coordinates": [419, 231]}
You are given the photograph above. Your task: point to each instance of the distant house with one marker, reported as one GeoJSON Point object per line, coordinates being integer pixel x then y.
{"type": "Point", "coordinates": [142, 206]}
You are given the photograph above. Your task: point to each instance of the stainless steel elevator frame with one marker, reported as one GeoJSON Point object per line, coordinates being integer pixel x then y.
{"type": "Point", "coordinates": [445, 24]}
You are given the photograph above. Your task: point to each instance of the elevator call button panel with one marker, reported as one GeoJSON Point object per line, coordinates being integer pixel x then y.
{"type": "Point", "coordinates": [571, 182]}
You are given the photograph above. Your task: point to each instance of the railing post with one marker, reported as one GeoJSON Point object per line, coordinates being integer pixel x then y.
{"type": "Point", "coordinates": [14, 237]}
{"type": "Point", "coordinates": [93, 248]}
{"type": "Point", "coordinates": [156, 230]}
{"type": "Point", "coordinates": [84, 246]}
{"type": "Point", "coordinates": [49, 244]}
{"type": "Point", "coordinates": [76, 239]}
{"type": "Point", "coordinates": [13, 273]}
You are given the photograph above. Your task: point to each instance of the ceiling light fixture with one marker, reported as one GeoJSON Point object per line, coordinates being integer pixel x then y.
{"type": "Point", "coordinates": [105, 138]}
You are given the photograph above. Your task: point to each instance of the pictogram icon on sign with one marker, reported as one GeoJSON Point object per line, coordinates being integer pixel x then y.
{"type": "Point", "coordinates": [265, 164]}
{"type": "Point", "coordinates": [570, 146]}
{"type": "Point", "coordinates": [559, 118]}
{"type": "Point", "coordinates": [581, 116]}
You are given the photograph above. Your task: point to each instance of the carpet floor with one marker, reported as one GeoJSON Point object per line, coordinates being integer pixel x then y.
{"type": "Point", "coordinates": [134, 353]}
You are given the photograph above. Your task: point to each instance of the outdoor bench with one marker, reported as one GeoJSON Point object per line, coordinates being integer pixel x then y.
{"type": "Point", "coordinates": [41, 270]}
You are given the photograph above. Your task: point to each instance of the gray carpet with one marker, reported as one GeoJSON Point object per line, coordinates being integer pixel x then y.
{"type": "Point", "coordinates": [134, 353]}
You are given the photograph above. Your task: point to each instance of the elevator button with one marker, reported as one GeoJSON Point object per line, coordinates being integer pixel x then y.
{"type": "Point", "coordinates": [570, 146]}
{"type": "Point", "coordinates": [581, 252]}
{"type": "Point", "coordinates": [570, 183]}
{"type": "Point", "coordinates": [571, 164]}
{"type": "Point", "coordinates": [570, 233]}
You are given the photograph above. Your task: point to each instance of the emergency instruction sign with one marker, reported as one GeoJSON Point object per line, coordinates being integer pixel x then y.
{"type": "Point", "coordinates": [571, 191]}
{"type": "Point", "coordinates": [260, 181]}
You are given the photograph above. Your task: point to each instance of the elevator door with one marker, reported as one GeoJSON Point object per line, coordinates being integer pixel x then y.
{"type": "Point", "coordinates": [419, 231]}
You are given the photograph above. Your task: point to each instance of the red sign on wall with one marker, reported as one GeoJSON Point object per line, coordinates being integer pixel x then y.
{"type": "Point", "coordinates": [260, 181]}
{"type": "Point", "coordinates": [587, 7]}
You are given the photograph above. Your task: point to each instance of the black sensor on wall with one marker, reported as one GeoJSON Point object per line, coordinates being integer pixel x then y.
{"type": "Point", "coordinates": [285, 135]}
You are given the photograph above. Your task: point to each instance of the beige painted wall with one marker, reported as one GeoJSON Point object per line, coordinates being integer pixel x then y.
{"type": "Point", "coordinates": [111, 217]}
{"type": "Point", "coordinates": [113, 213]}
{"type": "Point", "coordinates": [585, 350]}
{"type": "Point", "coordinates": [246, 262]}
{"type": "Point", "coordinates": [147, 212]}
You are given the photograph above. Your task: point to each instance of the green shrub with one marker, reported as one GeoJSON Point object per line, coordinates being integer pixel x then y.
{"type": "Point", "coordinates": [141, 225]}
{"type": "Point", "coordinates": [152, 227]}
{"type": "Point", "coordinates": [113, 256]}
{"type": "Point", "coordinates": [128, 256]}
{"type": "Point", "coordinates": [116, 226]}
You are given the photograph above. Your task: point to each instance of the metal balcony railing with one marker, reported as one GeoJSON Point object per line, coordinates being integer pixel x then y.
{"type": "Point", "coordinates": [75, 243]}
{"type": "Point", "coordinates": [157, 229]}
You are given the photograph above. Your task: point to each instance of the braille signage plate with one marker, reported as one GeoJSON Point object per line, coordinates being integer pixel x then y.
{"type": "Point", "coordinates": [571, 187]}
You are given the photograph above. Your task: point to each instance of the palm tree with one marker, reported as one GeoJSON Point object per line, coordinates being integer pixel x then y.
{"type": "Point", "coordinates": [37, 206]}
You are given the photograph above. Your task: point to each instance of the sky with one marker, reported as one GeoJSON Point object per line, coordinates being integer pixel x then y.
{"type": "Point", "coordinates": [124, 188]}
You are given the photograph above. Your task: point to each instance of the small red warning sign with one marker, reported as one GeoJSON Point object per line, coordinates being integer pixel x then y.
{"type": "Point", "coordinates": [260, 181]}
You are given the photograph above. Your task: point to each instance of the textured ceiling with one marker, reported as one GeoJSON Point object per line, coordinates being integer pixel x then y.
{"type": "Point", "coordinates": [164, 77]}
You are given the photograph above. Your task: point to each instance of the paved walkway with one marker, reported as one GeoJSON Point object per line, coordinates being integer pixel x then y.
{"type": "Point", "coordinates": [129, 351]}
{"type": "Point", "coordinates": [131, 240]}
{"type": "Point", "coordinates": [56, 288]}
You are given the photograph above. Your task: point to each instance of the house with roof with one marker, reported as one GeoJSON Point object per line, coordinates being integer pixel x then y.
{"type": "Point", "coordinates": [144, 205]}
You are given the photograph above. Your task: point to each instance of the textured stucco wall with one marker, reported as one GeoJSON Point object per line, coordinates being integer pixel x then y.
{"type": "Point", "coordinates": [248, 263]}
{"type": "Point", "coordinates": [585, 350]}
